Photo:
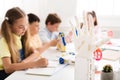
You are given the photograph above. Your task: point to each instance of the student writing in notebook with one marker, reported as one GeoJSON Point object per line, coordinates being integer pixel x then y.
{"type": "Point", "coordinates": [35, 41]}
{"type": "Point", "coordinates": [15, 50]}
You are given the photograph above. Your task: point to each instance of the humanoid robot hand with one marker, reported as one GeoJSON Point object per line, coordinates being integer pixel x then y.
{"type": "Point", "coordinates": [84, 38]}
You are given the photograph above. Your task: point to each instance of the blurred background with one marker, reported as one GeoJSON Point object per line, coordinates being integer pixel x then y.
{"type": "Point", "coordinates": [108, 12]}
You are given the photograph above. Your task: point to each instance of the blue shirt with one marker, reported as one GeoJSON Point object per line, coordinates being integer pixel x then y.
{"type": "Point", "coordinates": [46, 35]}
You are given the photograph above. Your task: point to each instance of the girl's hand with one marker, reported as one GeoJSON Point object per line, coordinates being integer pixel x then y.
{"type": "Point", "coordinates": [43, 62]}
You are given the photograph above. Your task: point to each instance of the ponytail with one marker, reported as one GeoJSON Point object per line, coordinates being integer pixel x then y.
{"type": "Point", "coordinates": [7, 34]}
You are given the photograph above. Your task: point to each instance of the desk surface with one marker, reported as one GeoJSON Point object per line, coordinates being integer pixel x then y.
{"type": "Point", "coordinates": [66, 73]}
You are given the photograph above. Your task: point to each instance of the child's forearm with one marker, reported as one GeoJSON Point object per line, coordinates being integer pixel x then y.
{"type": "Point", "coordinates": [19, 66]}
{"type": "Point", "coordinates": [11, 67]}
{"type": "Point", "coordinates": [44, 47]}
{"type": "Point", "coordinates": [36, 54]}
{"type": "Point", "coordinates": [33, 57]}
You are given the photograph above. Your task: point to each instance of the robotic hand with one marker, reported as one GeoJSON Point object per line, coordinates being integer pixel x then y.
{"type": "Point", "coordinates": [85, 43]}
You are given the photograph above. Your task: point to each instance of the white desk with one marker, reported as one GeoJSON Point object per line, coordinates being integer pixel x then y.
{"type": "Point", "coordinates": [66, 73]}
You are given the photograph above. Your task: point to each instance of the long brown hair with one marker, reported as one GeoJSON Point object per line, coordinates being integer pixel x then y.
{"type": "Point", "coordinates": [11, 16]}
{"type": "Point", "coordinates": [94, 16]}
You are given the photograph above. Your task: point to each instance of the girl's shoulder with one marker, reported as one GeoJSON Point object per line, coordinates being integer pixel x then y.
{"type": "Point", "coordinates": [3, 42]}
{"type": "Point", "coordinates": [2, 39]}
{"type": "Point", "coordinates": [35, 40]}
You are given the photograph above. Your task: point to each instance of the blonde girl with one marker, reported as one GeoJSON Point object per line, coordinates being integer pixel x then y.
{"type": "Point", "coordinates": [15, 51]}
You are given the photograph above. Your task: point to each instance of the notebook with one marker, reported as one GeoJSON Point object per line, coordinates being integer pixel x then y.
{"type": "Point", "coordinates": [52, 68]}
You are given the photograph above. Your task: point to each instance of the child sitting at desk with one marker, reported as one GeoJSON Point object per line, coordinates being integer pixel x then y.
{"type": "Point", "coordinates": [15, 52]}
{"type": "Point", "coordinates": [93, 14]}
{"type": "Point", "coordinates": [97, 29]}
{"type": "Point", "coordinates": [35, 40]}
{"type": "Point", "coordinates": [50, 32]}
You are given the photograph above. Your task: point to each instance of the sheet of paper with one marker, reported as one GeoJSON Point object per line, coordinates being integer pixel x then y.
{"type": "Point", "coordinates": [53, 64]}
{"type": "Point", "coordinates": [52, 68]}
{"type": "Point", "coordinates": [41, 71]}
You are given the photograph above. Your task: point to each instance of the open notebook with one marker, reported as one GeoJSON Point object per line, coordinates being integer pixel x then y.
{"type": "Point", "coordinates": [52, 68]}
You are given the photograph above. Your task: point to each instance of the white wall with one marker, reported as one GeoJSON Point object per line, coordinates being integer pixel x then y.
{"type": "Point", "coordinates": [110, 23]}
{"type": "Point", "coordinates": [29, 6]}
{"type": "Point", "coordinates": [64, 8]}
